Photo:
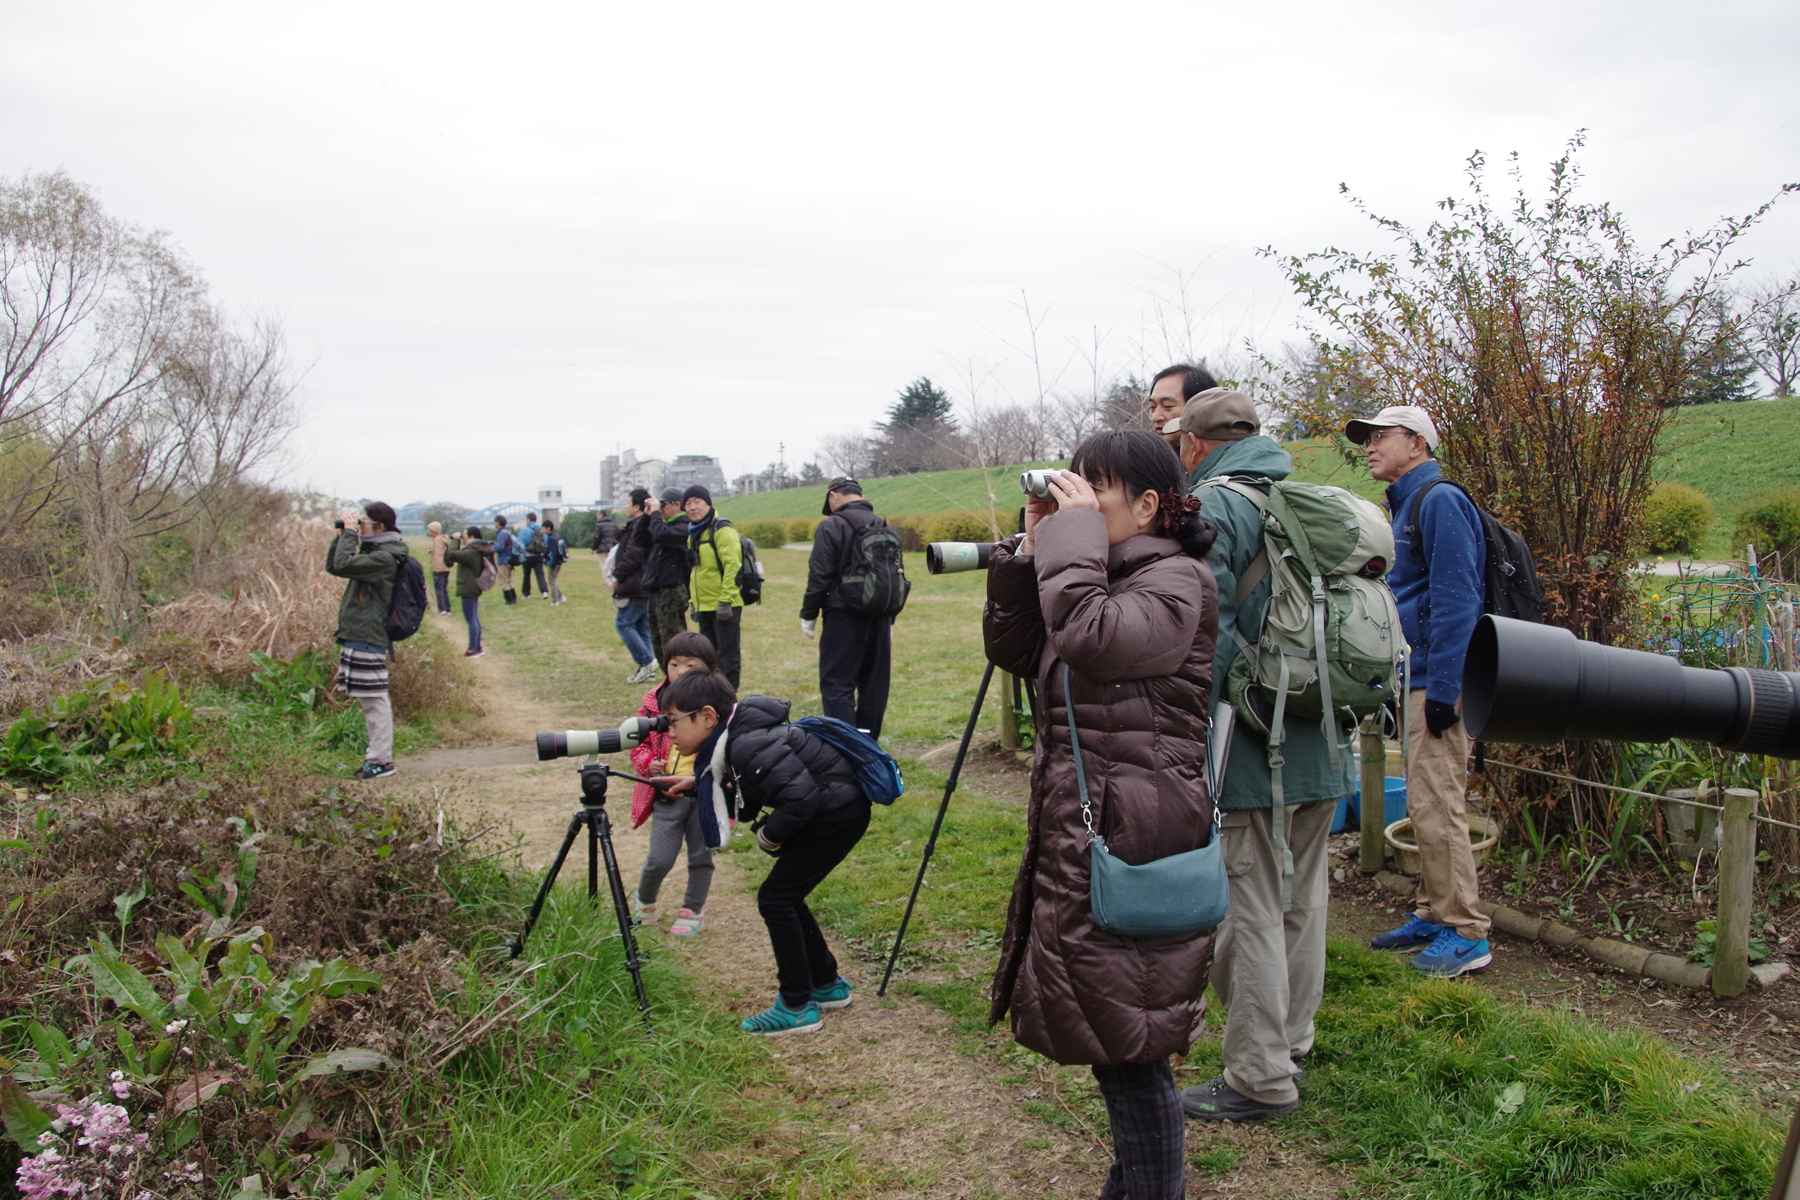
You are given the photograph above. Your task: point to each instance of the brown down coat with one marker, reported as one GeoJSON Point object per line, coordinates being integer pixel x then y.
{"type": "Point", "coordinates": [1135, 623]}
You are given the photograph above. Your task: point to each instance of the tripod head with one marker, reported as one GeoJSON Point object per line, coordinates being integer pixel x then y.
{"type": "Point", "coordinates": [594, 775]}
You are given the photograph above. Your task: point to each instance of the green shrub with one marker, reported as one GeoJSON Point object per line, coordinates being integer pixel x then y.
{"type": "Point", "coordinates": [1677, 519]}
{"type": "Point", "coordinates": [800, 529]}
{"type": "Point", "coordinates": [911, 530]}
{"type": "Point", "coordinates": [960, 525]}
{"type": "Point", "coordinates": [1771, 523]}
{"type": "Point", "coordinates": [150, 726]}
{"type": "Point", "coordinates": [768, 535]}
{"type": "Point", "coordinates": [577, 529]}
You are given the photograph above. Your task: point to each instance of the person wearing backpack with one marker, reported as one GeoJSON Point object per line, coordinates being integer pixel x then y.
{"type": "Point", "coordinates": [1269, 964]}
{"type": "Point", "coordinates": [532, 544]}
{"type": "Point", "coordinates": [473, 559]}
{"type": "Point", "coordinates": [367, 558]}
{"type": "Point", "coordinates": [1439, 582]}
{"type": "Point", "coordinates": [715, 553]}
{"type": "Point", "coordinates": [556, 553]}
{"type": "Point", "coordinates": [817, 813]}
{"type": "Point", "coordinates": [506, 556]}
{"type": "Point", "coordinates": [663, 578]}
{"type": "Point", "coordinates": [853, 547]}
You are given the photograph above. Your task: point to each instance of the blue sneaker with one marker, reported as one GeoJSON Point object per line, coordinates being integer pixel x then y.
{"type": "Point", "coordinates": [1451, 955]}
{"type": "Point", "coordinates": [835, 996]}
{"type": "Point", "coordinates": [778, 1020]}
{"type": "Point", "coordinates": [1415, 933]}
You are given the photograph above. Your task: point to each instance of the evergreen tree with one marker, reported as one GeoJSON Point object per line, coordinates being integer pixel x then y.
{"type": "Point", "coordinates": [922, 405]}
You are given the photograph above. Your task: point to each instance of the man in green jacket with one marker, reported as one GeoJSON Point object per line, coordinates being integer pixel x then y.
{"type": "Point", "coordinates": [1268, 965]}
{"type": "Point", "coordinates": [367, 558]}
{"type": "Point", "coordinates": [716, 554]}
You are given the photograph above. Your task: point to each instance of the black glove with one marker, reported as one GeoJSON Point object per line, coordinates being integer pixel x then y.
{"type": "Point", "coordinates": [1440, 716]}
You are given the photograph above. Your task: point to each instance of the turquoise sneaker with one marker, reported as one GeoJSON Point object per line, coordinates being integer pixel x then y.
{"type": "Point", "coordinates": [835, 996]}
{"type": "Point", "coordinates": [778, 1020]}
{"type": "Point", "coordinates": [1452, 954]}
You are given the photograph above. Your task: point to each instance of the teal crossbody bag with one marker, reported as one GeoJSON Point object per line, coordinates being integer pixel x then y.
{"type": "Point", "coordinates": [1181, 894]}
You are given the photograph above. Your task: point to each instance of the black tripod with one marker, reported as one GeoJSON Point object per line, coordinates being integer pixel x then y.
{"type": "Point", "coordinates": [962, 751]}
{"type": "Point", "coordinates": [592, 816]}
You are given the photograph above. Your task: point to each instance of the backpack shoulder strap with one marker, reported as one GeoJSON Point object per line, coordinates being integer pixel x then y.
{"type": "Point", "coordinates": [1411, 528]}
{"type": "Point", "coordinates": [1246, 486]}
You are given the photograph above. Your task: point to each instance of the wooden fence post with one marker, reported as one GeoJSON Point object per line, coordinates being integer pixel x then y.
{"type": "Point", "coordinates": [1009, 716]}
{"type": "Point", "coordinates": [1737, 875]}
{"type": "Point", "coordinates": [1374, 797]}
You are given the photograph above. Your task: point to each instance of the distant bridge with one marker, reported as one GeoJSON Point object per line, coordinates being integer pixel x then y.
{"type": "Point", "coordinates": [514, 512]}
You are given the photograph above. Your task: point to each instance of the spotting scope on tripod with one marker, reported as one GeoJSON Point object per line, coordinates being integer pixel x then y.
{"type": "Point", "coordinates": [592, 816]}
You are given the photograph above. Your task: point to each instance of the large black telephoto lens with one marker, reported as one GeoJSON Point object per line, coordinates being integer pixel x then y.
{"type": "Point", "coordinates": [945, 558]}
{"type": "Point", "coordinates": [1524, 682]}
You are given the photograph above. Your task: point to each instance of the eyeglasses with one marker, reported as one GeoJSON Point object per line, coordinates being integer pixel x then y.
{"type": "Point", "coordinates": [1378, 434]}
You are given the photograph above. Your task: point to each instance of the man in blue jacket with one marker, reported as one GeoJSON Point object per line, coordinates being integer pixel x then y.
{"type": "Point", "coordinates": [1437, 578]}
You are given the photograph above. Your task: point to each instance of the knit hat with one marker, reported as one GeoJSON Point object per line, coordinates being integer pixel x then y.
{"type": "Point", "coordinates": [670, 495]}
{"type": "Point", "coordinates": [696, 490]}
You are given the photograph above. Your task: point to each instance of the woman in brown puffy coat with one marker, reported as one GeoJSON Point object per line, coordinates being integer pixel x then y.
{"type": "Point", "coordinates": [1108, 579]}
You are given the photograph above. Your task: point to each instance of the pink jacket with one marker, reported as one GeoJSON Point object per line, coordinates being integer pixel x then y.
{"type": "Point", "coordinates": [647, 758]}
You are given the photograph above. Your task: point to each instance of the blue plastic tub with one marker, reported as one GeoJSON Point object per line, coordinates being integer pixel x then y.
{"type": "Point", "coordinates": [1349, 808]}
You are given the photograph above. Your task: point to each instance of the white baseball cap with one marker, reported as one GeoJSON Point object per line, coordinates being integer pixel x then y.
{"type": "Point", "coordinates": [1405, 416]}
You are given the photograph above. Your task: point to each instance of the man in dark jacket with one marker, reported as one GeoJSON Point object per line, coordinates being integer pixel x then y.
{"type": "Point", "coordinates": [664, 576]}
{"type": "Point", "coordinates": [1269, 964]}
{"type": "Point", "coordinates": [817, 814]}
{"type": "Point", "coordinates": [531, 542]}
{"type": "Point", "coordinates": [606, 534]}
{"type": "Point", "coordinates": [854, 648]}
{"type": "Point", "coordinates": [629, 595]}
{"type": "Point", "coordinates": [1438, 578]}
{"type": "Point", "coordinates": [367, 557]}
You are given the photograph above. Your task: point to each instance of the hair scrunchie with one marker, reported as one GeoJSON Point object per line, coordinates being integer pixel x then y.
{"type": "Point", "coordinates": [1172, 509]}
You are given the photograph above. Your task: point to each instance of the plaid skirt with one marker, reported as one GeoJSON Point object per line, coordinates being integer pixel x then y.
{"type": "Point", "coordinates": [362, 672]}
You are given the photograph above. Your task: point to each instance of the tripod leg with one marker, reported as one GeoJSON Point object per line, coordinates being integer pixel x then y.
{"type": "Point", "coordinates": [943, 807]}
{"type": "Point", "coordinates": [622, 909]}
{"type": "Point", "coordinates": [516, 947]}
{"type": "Point", "coordinates": [594, 860]}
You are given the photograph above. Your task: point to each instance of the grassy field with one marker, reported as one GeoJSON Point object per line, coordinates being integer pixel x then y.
{"type": "Point", "coordinates": [1417, 1087]}
{"type": "Point", "coordinates": [1732, 452]}
{"type": "Point", "coordinates": [941, 491]}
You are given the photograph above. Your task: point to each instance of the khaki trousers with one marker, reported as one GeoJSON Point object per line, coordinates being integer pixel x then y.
{"type": "Point", "coordinates": [503, 577]}
{"type": "Point", "coordinates": [1437, 777]}
{"type": "Point", "coordinates": [378, 720]}
{"type": "Point", "coordinates": [1269, 966]}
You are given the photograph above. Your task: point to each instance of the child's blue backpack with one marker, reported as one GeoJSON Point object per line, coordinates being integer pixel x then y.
{"type": "Point", "coordinates": [876, 771]}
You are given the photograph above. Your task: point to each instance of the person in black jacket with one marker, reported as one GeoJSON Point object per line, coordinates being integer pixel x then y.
{"type": "Point", "coordinates": [855, 648]}
{"type": "Point", "coordinates": [629, 597]}
{"type": "Point", "coordinates": [817, 814]}
{"type": "Point", "coordinates": [664, 577]}
{"type": "Point", "coordinates": [606, 534]}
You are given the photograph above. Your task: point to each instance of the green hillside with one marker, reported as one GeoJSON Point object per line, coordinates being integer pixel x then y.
{"type": "Point", "coordinates": [941, 491]}
{"type": "Point", "coordinates": [1733, 452]}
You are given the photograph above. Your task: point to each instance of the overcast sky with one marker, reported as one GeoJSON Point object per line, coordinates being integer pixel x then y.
{"type": "Point", "coordinates": [509, 239]}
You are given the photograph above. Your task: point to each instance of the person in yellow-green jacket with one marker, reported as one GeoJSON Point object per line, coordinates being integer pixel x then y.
{"type": "Point", "coordinates": [715, 552]}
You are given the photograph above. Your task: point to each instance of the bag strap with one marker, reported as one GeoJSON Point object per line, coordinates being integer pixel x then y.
{"type": "Point", "coordinates": [1411, 528]}
{"type": "Point", "coordinates": [1259, 566]}
{"type": "Point", "coordinates": [1087, 810]}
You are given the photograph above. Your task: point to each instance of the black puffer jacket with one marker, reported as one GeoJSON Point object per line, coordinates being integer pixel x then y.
{"type": "Point", "coordinates": [780, 767]}
{"type": "Point", "coordinates": [665, 553]}
{"type": "Point", "coordinates": [628, 564]}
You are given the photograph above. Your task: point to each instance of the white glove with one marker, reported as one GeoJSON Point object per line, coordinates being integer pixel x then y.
{"type": "Point", "coordinates": [808, 625]}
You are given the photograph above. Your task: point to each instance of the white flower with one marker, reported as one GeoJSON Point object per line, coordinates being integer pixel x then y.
{"type": "Point", "coordinates": [175, 1026]}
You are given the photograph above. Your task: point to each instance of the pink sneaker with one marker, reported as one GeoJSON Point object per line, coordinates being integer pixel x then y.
{"type": "Point", "coordinates": [687, 923]}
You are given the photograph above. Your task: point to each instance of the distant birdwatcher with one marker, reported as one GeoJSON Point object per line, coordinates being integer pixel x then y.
{"type": "Point", "coordinates": [531, 546]}
{"type": "Point", "coordinates": [440, 570]}
{"type": "Point", "coordinates": [624, 569]}
{"type": "Point", "coordinates": [506, 556]}
{"type": "Point", "coordinates": [716, 552]}
{"type": "Point", "coordinates": [475, 571]}
{"type": "Point", "coordinates": [556, 553]}
{"type": "Point", "coordinates": [367, 558]}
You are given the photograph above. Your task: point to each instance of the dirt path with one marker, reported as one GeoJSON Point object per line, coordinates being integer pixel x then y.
{"type": "Point", "coordinates": [885, 1073]}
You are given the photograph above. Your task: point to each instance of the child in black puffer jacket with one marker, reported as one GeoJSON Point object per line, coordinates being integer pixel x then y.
{"type": "Point", "coordinates": [817, 814]}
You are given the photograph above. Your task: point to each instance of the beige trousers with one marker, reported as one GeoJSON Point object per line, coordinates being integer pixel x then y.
{"type": "Point", "coordinates": [1269, 966]}
{"type": "Point", "coordinates": [1437, 776]}
{"type": "Point", "coordinates": [378, 720]}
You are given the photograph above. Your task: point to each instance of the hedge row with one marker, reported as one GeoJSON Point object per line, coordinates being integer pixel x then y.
{"type": "Point", "coordinates": [961, 525]}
